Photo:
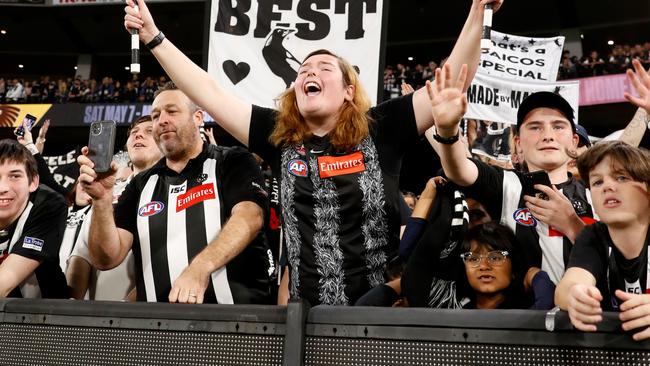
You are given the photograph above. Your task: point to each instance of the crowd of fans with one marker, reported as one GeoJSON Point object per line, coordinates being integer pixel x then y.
{"type": "Point", "coordinates": [617, 61]}
{"type": "Point", "coordinates": [77, 90]}
{"type": "Point", "coordinates": [109, 90]}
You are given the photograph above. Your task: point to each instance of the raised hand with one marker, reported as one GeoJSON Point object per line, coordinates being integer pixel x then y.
{"type": "Point", "coordinates": [40, 140]}
{"type": "Point", "coordinates": [448, 101]}
{"type": "Point", "coordinates": [496, 4]}
{"type": "Point", "coordinates": [140, 18]}
{"type": "Point", "coordinates": [406, 88]}
{"type": "Point", "coordinates": [98, 186]}
{"type": "Point", "coordinates": [640, 80]}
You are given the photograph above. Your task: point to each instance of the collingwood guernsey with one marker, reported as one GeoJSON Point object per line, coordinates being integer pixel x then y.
{"type": "Point", "coordinates": [174, 216]}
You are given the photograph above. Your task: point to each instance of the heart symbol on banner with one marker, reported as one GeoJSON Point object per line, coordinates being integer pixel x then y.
{"type": "Point", "coordinates": [236, 72]}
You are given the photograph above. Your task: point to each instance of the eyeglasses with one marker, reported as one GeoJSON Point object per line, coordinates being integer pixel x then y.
{"type": "Point", "coordinates": [494, 258]}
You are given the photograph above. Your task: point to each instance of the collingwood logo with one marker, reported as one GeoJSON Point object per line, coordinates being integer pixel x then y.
{"type": "Point", "coordinates": [194, 196]}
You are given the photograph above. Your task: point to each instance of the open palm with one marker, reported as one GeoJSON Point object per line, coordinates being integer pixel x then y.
{"type": "Point", "coordinates": [448, 101]}
{"type": "Point", "coordinates": [640, 79]}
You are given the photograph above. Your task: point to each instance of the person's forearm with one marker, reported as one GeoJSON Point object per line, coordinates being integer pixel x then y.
{"type": "Point", "coordinates": [204, 90]}
{"type": "Point", "coordinates": [561, 297]}
{"type": "Point", "coordinates": [458, 168]}
{"type": "Point", "coordinates": [13, 271]}
{"type": "Point", "coordinates": [634, 131]}
{"type": "Point", "coordinates": [575, 228]}
{"type": "Point", "coordinates": [467, 49]}
{"type": "Point", "coordinates": [78, 277]}
{"type": "Point", "coordinates": [104, 239]}
{"type": "Point", "coordinates": [243, 226]}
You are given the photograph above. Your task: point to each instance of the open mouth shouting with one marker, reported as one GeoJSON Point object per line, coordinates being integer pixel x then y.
{"type": "Point", "coordinates": [312, 88]}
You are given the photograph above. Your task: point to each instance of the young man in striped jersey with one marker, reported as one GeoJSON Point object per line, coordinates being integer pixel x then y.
{"type": "Point", "coordinates": [545, 135]}
{"type": "Point", "coordinates": [118, 283]}
{"type": "Point", "coordinates": [32, 221]}
{"type": "Point", "coordinates": [193, 219]}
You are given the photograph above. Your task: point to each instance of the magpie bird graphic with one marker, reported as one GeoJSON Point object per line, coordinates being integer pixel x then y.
{"type": "Point", "coordinates": [278, 58]}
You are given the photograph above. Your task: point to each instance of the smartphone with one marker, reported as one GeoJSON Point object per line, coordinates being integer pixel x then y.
{"type": "Point", "coordinates": [531, 179]}
{"type": "Point", "coordinates": [29, 121]}
{"type": "Point", "coordinates": [101, 143]}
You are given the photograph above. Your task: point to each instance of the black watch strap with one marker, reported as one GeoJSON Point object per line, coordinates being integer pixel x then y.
{"type": "Point", "coordinates": [155, 41]}
{"type": "Point", "coordinates": [446, 140]}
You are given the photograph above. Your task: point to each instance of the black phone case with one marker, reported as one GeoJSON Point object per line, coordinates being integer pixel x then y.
{"type": "Point", "coordinates": [530, 179]}
{"type": "Point", "coordinates": [101, 142]}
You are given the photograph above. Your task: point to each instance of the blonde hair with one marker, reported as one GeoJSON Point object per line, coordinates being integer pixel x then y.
{"type": "Point", "coordinates": [353, 120]}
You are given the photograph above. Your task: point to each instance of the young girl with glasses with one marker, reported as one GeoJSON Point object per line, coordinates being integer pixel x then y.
{"type": "Point", "coordinates": [495, 272]}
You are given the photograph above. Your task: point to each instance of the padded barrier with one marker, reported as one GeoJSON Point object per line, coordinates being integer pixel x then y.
{"type": "Point", "coordinates": [67, 332]}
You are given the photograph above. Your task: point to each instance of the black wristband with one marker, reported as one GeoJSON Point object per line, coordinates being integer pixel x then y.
{"type": "Point", "coordinates": [446, 140]}
{"type": "Point", "coordinates": [155, 41]}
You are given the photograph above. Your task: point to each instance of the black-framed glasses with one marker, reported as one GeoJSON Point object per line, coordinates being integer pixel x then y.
{"type": "Point", "coordinates": [494, 258]}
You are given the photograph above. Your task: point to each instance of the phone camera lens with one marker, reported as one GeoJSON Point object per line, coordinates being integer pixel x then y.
{"type": "Point", "coordinates": [96, 129]}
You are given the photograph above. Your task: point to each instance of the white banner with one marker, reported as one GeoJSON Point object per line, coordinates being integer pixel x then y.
{"type": "Point", "coordinates": [522, 58]}
{"type": "Point", "coordinates": [256, 47]}
{"type": "Point", "coordinates": [497, 99]}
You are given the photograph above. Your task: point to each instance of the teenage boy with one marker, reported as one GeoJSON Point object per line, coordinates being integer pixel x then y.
{"type": "Point", "coordinates": [608, 269]}
{"type": "Point", "coordinates": [545, 135]}
{"type": "Point", "coordinates": [32, 221]}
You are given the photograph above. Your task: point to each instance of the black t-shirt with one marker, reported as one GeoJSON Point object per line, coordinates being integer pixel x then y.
{"type": "Point", "coordinates": [37, 234]}
{"type": "Point", "coordinates": [174, 216]}
{"type": "Point", "coordinates": [340, 210]}
{"type": "Point", "coordinates": [596, 253]}
{"type": "Point", "coordinates": [501, 193]}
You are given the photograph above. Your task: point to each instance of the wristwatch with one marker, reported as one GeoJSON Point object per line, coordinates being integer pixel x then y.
{"type": "Point", "coordinates": [155, 41]}
{"type": "Point", "coordinates": [446, 140]}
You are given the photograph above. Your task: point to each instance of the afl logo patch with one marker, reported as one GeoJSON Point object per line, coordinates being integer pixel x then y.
{"type": "Point", "coordinates": [297, 167]}
{"type": "Point", "coordinates": [151, 208]}
{"type": "Point", "coordinates": [524, 217]}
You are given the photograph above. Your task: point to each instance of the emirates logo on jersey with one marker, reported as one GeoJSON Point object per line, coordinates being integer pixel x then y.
{"type": "Point", "coordinates": [524, 217]}
{"type": "Point", "coordinates": [332, 166]}
{"type": "Point", "coordinates": [151, 208]}
{"type": "Point", "coordinates": [195, 195]}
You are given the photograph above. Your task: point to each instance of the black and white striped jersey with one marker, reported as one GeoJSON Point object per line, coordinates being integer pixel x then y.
{"type": "Point", "coordinates": [174, 216]}
{"type": "Point", "coordinates": [340, 209]}
{"type": "Point", "coordinates": [500, 191]}
{"type": "Point", "coordinates": [73, 223]}
{"type": "Point", "coordinates": [37, 234]}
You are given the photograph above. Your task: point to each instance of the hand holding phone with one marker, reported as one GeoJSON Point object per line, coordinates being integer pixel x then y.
{"type": "Point", "coordinates": [531, 179]}
{"type": "Point", "coordinates": [101, 142]}
{"type": "Point", "coordinates": [29, 121]}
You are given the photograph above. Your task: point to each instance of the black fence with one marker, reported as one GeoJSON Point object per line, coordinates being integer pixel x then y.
{"type": "Point", "coordinates": [52, 332]}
